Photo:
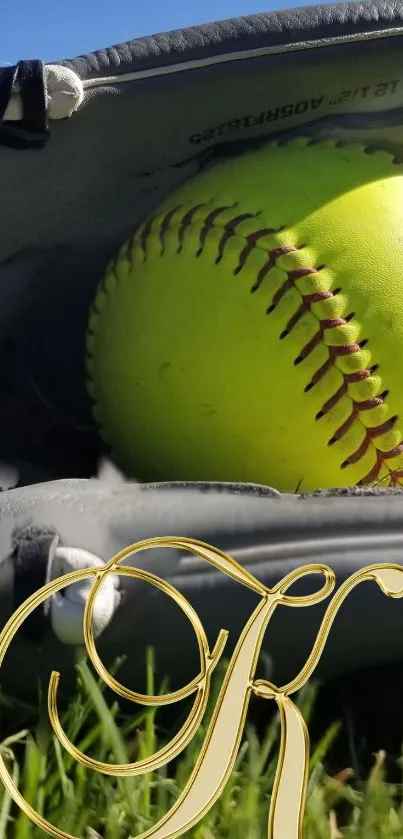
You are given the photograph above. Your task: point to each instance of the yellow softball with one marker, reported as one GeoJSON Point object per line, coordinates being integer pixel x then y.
{"type": "Point", "coordinates": [252, 329]}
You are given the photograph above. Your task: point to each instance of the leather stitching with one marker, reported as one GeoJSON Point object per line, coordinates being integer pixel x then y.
{"type": "Point", "coordinates": [161, 225]}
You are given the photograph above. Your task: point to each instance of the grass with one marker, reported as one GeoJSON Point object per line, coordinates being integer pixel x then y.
{"type": "Point", "coordinates": [89, 805]}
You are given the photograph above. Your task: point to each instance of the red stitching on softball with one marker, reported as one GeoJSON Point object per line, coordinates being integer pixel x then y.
{"type": "Point", "coordinates": [209, 225]}
{"type": "Point", "coordinates": [252, 241]}
{"type": "Point", "coordinates": [371, 434]}
{"type": "Point", "coordinates": [348, 378]}
{"type": "Point", "coordinates": [381, 457]}
{"type": "Point", "coordinates": [186, 222]}
{"type": "Point", "coordinates": [145, 234]}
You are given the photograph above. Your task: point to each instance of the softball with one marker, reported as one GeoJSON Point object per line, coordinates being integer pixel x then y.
{"type": "Point", "coordinates": [252, 329]}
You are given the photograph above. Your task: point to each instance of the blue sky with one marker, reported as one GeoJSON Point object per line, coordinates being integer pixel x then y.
{"type": "Point", "coordinates": [56, 29]}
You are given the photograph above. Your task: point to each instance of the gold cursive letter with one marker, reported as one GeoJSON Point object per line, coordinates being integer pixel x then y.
{"type": "Point", "coordinates": [221, 744]}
